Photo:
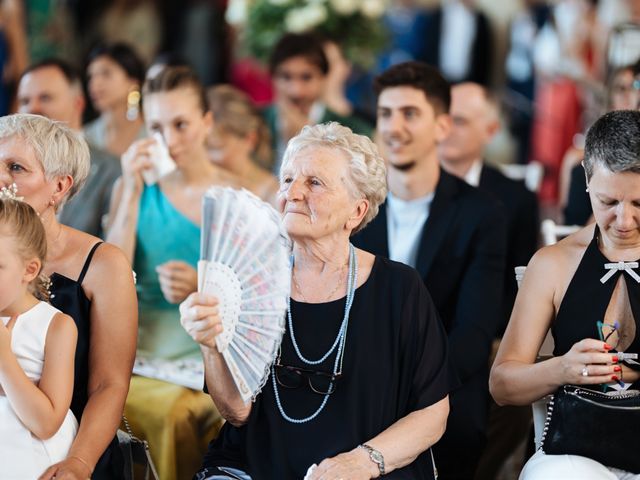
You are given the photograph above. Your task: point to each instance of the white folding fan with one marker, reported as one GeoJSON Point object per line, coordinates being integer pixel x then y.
{"type": "Point", "coordinates": [245, 262]}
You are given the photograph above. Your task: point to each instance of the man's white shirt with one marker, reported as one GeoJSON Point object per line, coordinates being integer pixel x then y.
{"type": "Point", "coordinates": [405, 222]}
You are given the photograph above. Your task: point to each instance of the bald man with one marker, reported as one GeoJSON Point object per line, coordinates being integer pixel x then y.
{"type": "Point", "coordinates": [476, 120]}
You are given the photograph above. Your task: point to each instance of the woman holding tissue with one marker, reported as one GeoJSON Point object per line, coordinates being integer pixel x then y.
{"type": "Point", "coordinates": [372, 408]}
{"type": "Point", "coordinates": [586, 290]}
{"type": "Point", "coordinates": [157, 225]}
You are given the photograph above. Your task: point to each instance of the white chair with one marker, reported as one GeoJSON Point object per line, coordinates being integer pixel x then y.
{"type": "Point", "coordinates": [531, 174]}
{"type": "Point", "coordinates": [552, 232]}
{"type": "Point", "coordinates": [539, 407]}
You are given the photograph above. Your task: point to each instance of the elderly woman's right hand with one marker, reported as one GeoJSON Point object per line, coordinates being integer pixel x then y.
{"type": "Point", "coordinates": [136, 159]}
{"type": "Point", "coordinates": [199, 316]}
{"type": "Point", "coordinates": [590, 356]}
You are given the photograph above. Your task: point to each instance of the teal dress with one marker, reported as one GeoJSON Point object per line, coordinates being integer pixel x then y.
{"type": "Point", "coordinates": [163, 234]}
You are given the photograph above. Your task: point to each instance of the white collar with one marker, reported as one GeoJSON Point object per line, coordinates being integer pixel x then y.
{"type": "Point", "coordinates": [472, 177]}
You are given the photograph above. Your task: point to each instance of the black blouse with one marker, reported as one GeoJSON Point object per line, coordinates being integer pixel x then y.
{"type": "Point", "coordinates": [587, 298]}
{"type": "Point", "coordinates": [395, 362]}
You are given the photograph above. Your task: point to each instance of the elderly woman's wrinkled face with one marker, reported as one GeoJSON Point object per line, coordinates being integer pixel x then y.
{"type": "Point", "coordinates": [615, 198]}
{"type": "Point", "coordinates": [19, 165]}
{"type": "Point", "coordinates": [315, 196]}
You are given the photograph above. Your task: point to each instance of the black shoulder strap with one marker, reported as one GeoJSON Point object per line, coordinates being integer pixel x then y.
{"type": "Point", "coordinates": [87, 262]}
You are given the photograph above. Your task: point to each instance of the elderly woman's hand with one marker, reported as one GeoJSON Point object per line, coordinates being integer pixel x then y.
{"type": "Point", "coordinates": [353, 465]}
{"type": "Point", "coordinates": [177, 280]}
{"type": "Point", "coordinates": [136, 159]}
{"type": "Point", "coordinates": [588, 363]}
{"type": "Point", "coordinates": [200, 318]}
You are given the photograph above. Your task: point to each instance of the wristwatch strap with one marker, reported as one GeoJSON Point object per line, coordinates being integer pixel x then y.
{"type": "Point", "coordinates": [375, 456]}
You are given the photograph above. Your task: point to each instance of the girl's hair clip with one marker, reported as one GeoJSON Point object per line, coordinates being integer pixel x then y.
{"type": "Point", "coordinates": [10, 193]}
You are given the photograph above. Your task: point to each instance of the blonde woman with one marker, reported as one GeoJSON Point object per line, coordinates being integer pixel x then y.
{"type": "Point", "coordinates": [239, 141]}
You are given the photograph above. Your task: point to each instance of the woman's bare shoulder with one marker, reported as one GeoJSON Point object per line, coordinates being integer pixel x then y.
{"type": "Point", "coordinates": [559, 261]}
{"type": "Point", "coordinates": [107, 258]}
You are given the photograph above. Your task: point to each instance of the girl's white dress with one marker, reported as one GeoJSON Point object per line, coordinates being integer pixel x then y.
{"type": "Point", "coordinates": [23, 456]}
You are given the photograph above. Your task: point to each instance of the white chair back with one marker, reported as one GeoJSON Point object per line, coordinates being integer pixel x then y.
{"type": "Point", "coordinates": [531, 174]}
{"type": "Point", "coordinates": [552, 232]}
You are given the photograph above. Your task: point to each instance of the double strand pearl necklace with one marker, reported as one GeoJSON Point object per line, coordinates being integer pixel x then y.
{"type": "Point", "coordinates": [339, 342]}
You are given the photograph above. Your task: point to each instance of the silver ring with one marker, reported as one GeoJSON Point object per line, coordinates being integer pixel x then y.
{"type": "Point", "coordinates": [585, 372]}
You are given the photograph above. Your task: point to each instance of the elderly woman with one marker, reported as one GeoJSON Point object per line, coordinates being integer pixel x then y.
{"type": "Point", "coordinates": [372, 408]}
{"type": "Point", "coordinates": [591, 315]}
{"type": "Point", "coordinates": [91, 282]}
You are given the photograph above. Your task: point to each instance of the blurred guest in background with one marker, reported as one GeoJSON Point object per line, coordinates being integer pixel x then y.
{"type": "Point", "coordinates": [239, 141]}
{"type": "Point", "coordinates": [520, 71]}
{"type": "Point", "coordinates": [158, 227]}
{"type": "Point", "coordinates": [459, 41]}
{"type": "Point", "coordinates": [299, 69]}
{"type": "Point", "coordinates": [114, 76]}
{"type": "Point", "coordinates": [52, 88]}
{"type": "Point", "coordinates": [476, 119]}
{"type": "Point", "coordinates": [13, 50]}
{"type": "Point", "coordinates": [133, 22]}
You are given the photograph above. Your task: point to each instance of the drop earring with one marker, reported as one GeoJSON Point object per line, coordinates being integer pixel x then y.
{"type": "Point", "coordinates": [133, 105]}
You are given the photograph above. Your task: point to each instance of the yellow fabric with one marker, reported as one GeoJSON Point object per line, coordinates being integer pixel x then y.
{"type": "Point", "coordinates": [177, 422]}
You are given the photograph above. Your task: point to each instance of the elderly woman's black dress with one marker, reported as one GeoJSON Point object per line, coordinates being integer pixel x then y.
{"type": "Point", "coordinates": [395, 362]}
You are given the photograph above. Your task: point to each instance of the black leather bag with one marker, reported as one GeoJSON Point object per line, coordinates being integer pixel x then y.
{"type": "Point", "coordinates": [135, 452]}
{"type": "Point", "coordinates": [602, 426]}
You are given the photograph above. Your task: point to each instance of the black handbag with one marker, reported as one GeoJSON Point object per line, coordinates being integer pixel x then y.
{"type": "Point", "coordinates": [135, 452]}
{"type": "Point", "coordinates": [597, 425]}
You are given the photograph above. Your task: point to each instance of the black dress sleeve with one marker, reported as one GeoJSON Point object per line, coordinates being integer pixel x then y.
{"type": "Point", "coordinates": [426, 348]}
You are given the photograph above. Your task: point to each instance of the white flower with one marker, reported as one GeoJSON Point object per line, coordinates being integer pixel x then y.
{"type": "Point", "coordinates": [303, 19]}
{"type": "Point", "coordinates": [237, 11]}
{"type": "Point", "coordinates": [372, 8]}
{"type": "Point", "coordinates": [345, 7]}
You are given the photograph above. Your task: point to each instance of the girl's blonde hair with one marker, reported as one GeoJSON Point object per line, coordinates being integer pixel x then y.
{"type": "Point", "coordinates": [20, 221]}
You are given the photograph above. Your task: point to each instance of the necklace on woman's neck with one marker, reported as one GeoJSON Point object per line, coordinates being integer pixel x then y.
{"type": "Point", "coordinates": [339, 342]}
{"type": "Point", "coordinates": [333, 292]}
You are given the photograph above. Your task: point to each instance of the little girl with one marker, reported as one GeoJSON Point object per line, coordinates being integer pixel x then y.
{"type": "Point", "coordinates": [37, 346]}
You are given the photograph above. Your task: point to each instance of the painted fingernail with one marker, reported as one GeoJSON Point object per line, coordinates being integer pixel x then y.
{"type": "Point", "coordinates": [617, 368]}
{"type": "Point", "coordinates": [614, 378]}
{"type": "Point", "coordinates": [614, 359]}
{"type": "Point", "coordinates": [607, 346]}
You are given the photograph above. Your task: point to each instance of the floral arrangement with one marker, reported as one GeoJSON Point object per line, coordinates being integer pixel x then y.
{"type": "Point", "coordinates": [354, 24]}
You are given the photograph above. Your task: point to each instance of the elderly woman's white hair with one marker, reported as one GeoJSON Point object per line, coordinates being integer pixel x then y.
{"type": "Point", "coordinates": [60, 150]}
{"type": "Point", "coordinates": [367, 170]}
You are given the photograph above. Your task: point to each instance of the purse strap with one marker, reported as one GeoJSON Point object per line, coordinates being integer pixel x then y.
{"type": "Point", "coordinates": [149, 467]}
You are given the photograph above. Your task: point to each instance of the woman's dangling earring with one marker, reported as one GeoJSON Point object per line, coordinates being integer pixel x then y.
{"type": "Point", "coordinates": [133, 105]}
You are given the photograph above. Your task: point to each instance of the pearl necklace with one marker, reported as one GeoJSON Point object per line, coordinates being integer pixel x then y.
{"type": "Point", "coordinates": [339, 342]}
